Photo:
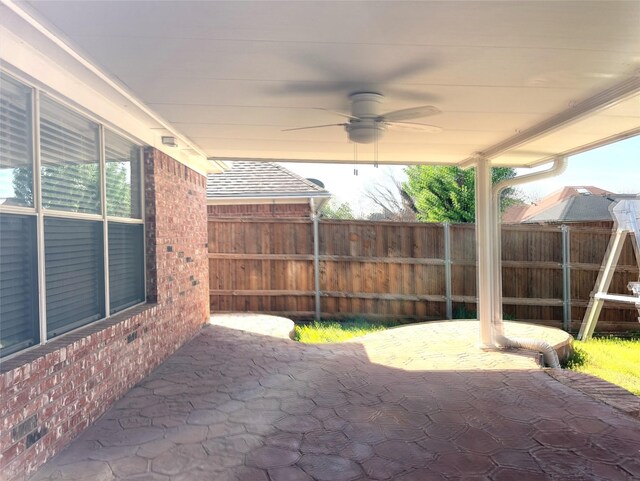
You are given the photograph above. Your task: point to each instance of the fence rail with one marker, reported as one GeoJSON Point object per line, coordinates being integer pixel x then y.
{"type": "Point", "coordinates": [408, 271]}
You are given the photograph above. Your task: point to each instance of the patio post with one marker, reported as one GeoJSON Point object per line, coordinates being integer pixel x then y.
{"type": "Point", "coordinates": [484, 242]}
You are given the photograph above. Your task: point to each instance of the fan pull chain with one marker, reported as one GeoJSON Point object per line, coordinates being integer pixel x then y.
{"type": "Point", "coordinates": [375, 149]}
{"type": "Point", "coordinates": [355, 159]}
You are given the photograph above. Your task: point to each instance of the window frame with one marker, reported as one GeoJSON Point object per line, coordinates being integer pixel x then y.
{"type": "Point", "coordinates": [40, 213]}
{"type": "Point", "coordinates": [35, 302]}
{"type": "Point", "coordinates": [16, 209]}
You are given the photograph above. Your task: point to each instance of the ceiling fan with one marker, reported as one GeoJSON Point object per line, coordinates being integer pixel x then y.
{"type": "Point", "coordinates": [366, 124]}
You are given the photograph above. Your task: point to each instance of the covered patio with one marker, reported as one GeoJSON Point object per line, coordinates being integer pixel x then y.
{"type": "Point", "coordinates": [518, 84]}
{"type": "Point", "coordinates": [241, 401]}
{"type": "Point", "coordinates": [189, 86]}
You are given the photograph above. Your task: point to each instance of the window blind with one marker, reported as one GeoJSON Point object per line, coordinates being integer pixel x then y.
{"type": "Point", "coordinates": [74, 271]}
{"type": "Point", "coordinates": [16, 147]}
{"type": "Point", "coordinates": [126, 265]}
{"type": "Point", "coordinates": [69, 150]}
{"type": "Point", "coordinates": [122, 176]}
{"type": "Point", "coordinates": [18, 283]}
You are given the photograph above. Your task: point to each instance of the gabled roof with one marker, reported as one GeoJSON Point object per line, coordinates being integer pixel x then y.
{"type": "Point", "coordinates": [515, 213]}
{"type": "Point", "coordinates": [582, 208]}
{"type": "Point", "coordinates": [561, 195]}
{"type": "Point", "coordinates": [251, 180]}
{"type": "Point", "coordinates": [569, 204]}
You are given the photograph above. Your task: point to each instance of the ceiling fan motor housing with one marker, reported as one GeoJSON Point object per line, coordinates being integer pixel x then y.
{"type": "Point", "coordinates": [366, 128]}
{"type": "Point", "coordinates": [365, 105]}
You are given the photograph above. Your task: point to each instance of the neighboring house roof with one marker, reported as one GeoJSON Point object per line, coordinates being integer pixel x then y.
{"type": "Point", "coordinates": [260, 180]}
{"type": "Point", "coordinates": [563, 194]}
{"type": "Point", "coordinates": [570, 204]}
{"type": "Point", "coordinates": [584, 208]}
{"type": "Point", "coordinates": [514, 213]}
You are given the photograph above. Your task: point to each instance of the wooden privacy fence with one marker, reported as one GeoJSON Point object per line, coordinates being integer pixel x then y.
{"type": "Point", "coordinates": [409, 271]}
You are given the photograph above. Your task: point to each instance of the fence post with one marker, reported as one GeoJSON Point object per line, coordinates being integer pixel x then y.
{"type": "Point", "coordinates": [316, 257]}
{"type": "Point", "coordinates": [447, 269]}
{"type": "Point", "coordinates": [566, 278]}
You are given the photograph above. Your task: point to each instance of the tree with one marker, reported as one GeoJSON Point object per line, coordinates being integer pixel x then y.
{"type": "Point", "coordinates": [447, 194]}
{"type": "Point", "coordinates": [395, 202]}
{"type": "Point", "coordinates": [118, 189]}
{"type": "Point", "coordinates": [333, 210]}
{"type": "Point", "coordinates": [22, 188]}
{"type": "Point", "coordinates": [75, 187]}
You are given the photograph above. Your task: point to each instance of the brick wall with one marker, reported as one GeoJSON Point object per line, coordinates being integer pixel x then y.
{"type": "Point", "coordinates": [260, 210]}
{"type": "Point", "coordinates": [49, 394]}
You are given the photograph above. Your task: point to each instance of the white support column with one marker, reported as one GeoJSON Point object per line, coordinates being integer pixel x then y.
{"type": "Point", "coordinates": [484, 243]}
{"type": "Point", "coordinates": [496, 266]}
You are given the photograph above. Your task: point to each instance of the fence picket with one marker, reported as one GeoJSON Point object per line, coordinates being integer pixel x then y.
{"type": "Point", "coordinates": [389, 270]}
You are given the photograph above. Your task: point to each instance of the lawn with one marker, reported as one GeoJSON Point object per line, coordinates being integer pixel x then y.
{"type": "Point", "coordinates": [613, 359]}
{"type": "Point", "coordinates": [324, 332]}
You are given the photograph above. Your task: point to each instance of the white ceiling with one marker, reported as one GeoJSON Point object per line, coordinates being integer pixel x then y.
{"type": "Point", "coordinates": [232, 75]}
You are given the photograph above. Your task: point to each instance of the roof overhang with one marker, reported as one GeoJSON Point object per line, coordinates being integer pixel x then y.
{"type": "Point", "coordinates": [33, 52]}
{"type": "Point", "coordinates": [268, 199]}
{"type": "Point", "coordinates": [517, 82]}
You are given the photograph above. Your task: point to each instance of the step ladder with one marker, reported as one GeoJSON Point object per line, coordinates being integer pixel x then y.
{"type": "Point", "coordinates": [626, 214]}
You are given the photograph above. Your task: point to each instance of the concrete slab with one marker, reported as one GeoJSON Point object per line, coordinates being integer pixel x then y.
{"type": "Point", "coordinates": [414, 403]}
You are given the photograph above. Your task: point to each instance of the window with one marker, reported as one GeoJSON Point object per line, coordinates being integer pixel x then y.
{"type": "Point", "coordinates": [74, 263]}
{"type": "Point", "coordinates": [126, 265]}
{"type": "Point", "coordinates": [123, 176]}
{"type": "Point", "coordinates": [18, 283]}
{"type": "Point", "coordinates": [70, 158]}
{"type": "Point", "coordinates": [92, 251]}
{"type": "Point", "coordinates": [16, 144]}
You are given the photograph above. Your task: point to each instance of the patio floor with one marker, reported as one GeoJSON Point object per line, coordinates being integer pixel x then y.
{"type": "Point", "coordinates": [416, 403]}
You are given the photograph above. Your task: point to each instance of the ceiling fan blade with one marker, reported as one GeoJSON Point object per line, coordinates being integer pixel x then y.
{"type": "Point", "coordinates": [432, 129]}
{"type": "Point", "coordinates": [341, 114]}
{"type": "Point", "coordinates": [314, 127]}
{"type": "Point", "coordinates": [412, 113]}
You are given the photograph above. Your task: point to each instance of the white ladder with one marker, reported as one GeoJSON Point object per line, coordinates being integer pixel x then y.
{"type": "Point", "coordinates": [627, 218]}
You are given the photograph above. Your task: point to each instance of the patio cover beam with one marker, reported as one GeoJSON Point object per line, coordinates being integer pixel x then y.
{"type": "Point", "coordinates": [590, 106]}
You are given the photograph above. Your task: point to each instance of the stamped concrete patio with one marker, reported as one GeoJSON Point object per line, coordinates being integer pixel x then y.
{"type": "Point", "coordinates": [416, 403]}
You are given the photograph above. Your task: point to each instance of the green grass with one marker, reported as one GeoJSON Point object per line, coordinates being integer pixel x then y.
{"type": "Point", "coordinates": [325, 331]}
{"type": "Point", "coordinates": [613, 359]}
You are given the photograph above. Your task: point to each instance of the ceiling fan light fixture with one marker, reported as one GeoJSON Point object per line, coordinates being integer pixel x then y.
{"type": "Point", "coordinates": [365, 132]}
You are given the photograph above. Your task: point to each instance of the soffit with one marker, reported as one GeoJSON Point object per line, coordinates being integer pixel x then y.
{"type": "Point", "coordinates": [232, 75]}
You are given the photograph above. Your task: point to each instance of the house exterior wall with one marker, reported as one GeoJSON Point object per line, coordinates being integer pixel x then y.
{"type": "Point", "coordinates": [260, 210]}
{"type": "Point", "coordinates": [50, 393]}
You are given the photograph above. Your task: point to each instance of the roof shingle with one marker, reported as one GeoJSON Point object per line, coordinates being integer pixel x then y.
{"type": "Point", "coordinates": [249, 179]}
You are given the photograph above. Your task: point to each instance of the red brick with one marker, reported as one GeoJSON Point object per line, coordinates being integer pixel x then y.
{"type": "Point", "coordinates": [72, 386]}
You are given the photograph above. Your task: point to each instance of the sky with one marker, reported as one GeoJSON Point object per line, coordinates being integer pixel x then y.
{"type": "Point", "coordinates": [615, 167]}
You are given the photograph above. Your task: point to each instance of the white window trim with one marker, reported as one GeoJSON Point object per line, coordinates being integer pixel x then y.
{"type": "Point", "coordinates": [40, 213]}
